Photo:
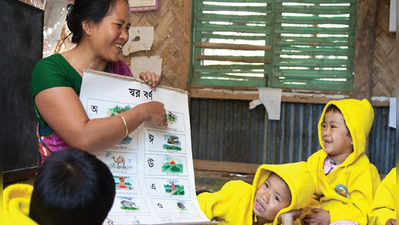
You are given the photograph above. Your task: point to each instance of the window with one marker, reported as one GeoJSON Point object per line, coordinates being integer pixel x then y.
{"type": "Point", "coordinates": [298, 44]}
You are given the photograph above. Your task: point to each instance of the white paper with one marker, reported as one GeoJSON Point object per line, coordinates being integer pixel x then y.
{"type": "Point", "coordinates": [140, 39]}
{"type": "Point", "coordinates": [153, 167]}
{"type": "Point", "coordinates": [271, 99]}
{"type": "Point", "coordinates": [146, 64]}
{"type": "Point", "coordinates": [392, 112]}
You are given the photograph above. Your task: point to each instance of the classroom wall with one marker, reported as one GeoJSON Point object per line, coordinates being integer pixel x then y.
{"type": "Point", "coordinates": [386, 59]}
{"type": "Point", "coordinates": [375, 60]}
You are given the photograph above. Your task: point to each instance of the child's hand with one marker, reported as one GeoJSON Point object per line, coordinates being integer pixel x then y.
{"type": "Point", "coordinates": [288, 218]}
{"type": "Point", "coordinates": [150, 78]}
{"type": "Point", "coordinates": [391, 222]}
{"type": "Point", "coordinates": [318, 217]}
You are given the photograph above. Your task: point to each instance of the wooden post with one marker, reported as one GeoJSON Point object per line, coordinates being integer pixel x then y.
{"type": "Point", "coordinates": [364, 48]}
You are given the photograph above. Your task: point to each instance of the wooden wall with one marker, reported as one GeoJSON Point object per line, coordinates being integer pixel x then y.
{"type": "Point", "coordinates": [375, 61]}
{"type": "Point", "coordinates": [172, 39]}
{"type": "Point", "coordinates": [386, 58]}
{"type": "Point", "coordinates": [376, 57]}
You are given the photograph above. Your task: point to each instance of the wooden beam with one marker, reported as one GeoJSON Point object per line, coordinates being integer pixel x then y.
{"type": "Point", "coordinates": [232, 46]}
{"type": "Point", "coordinates": [21, 175]}
{"type": "Point", "coordinates": [223, 166]}
{"type": "Point", "coordinates": [364, 48]}
{"type": "Point", "coordinates": [252, 94]}
{"type": "Point", "coordinates": [234, 59]}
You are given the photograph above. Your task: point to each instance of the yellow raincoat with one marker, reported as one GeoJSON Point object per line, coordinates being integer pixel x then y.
{"type": "Point", "coordinates": [387, 195]}
{"type": "Point", "coordinates": [233, 204]}
{"type": "Point", "coordinates": [15, 205]}
{"type": "Point", "coordinates": [347, 192]}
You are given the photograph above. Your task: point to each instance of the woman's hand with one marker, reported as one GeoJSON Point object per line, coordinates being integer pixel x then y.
{"type": "Point", "coordinates": [156, 113]}
{"type": "Point", "coordinates": [150, 78]}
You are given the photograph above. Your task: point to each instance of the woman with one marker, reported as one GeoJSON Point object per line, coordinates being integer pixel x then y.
{"type": "Point", "coordinates": [100, 29]}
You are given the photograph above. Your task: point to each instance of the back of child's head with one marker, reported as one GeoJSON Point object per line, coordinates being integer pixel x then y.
{"type": "Point", "coordinates": [72, 187]}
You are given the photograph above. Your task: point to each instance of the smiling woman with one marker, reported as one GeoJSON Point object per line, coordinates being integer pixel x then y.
{"type": "Point", "coordinates": [100, 30]}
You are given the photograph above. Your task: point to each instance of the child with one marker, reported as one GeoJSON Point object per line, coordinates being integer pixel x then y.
{"type": "Point", "coordinates": [346, 180]}
{"type": "Point", "coordinates": [72, 188]}
{"type": "Point", "coordinates": [276, 190]}
{"type": "Point", "coordinates": [384, 209]}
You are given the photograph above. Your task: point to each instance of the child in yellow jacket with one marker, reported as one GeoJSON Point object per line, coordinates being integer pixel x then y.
{"type": "Point", "coordinates": [386, 201]}
{"type": "Point", "coordinates": [72, 187]}
{"type": "Point", "coordinates": [346, 180]}
{"type": "Point", "coordinates": [277, 195]}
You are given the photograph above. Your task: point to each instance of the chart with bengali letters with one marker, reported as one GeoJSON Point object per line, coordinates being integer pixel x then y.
{"type": "Point", "coordinates": [152, 166]}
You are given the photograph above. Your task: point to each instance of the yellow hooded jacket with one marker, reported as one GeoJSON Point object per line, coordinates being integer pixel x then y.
{"type": "Point", "coordinates": [15, 205]}
{"type": "Point", "coordinates": [233, 204]}
{"type": "Point", "coordinates": [347, 192]}
{"type": "Point", "coordinates": [384, 201]}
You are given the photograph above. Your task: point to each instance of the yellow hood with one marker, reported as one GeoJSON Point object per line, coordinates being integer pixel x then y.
{"type": "Point", "coordinates": [386, 201]}
{"type": "Point", "coordinates": [15, 205]}
{"type": "Point", "coordinates": [298, 178]}
{"type": "Point", "coordinates": [359, 116]}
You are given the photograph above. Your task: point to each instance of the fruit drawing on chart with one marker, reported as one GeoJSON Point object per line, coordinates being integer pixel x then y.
{"type": "Point", "coordinates": [172, 143]}
{"type": "Point", "coordinates": [181, 206]}
{"type": "Point", "coordinates": [172, 118]}
{"type": "Point", "coordinates": [115, 111]}
{"type": "Point", "coordinates": [121, 183]}
{"type": "Point", "coordinates": [174, 189]}
{"type": "Point", "coordinates": [128, 205]}
{"type": "Point", "coordinates": [172, 166]}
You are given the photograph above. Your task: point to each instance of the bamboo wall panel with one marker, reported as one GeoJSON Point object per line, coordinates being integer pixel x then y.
{"type": "Point", "coordinates": [386, 58]}
{"type": "Point", "coordinates": [172, 39]}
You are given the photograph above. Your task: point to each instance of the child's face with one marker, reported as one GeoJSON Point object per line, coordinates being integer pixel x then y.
{"type": "Point", "coordinates": [271, 197]}
{"type": "Point", "coordinates": [336, 139]}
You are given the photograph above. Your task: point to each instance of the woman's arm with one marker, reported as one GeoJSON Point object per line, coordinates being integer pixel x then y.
{"type": "Point", "coordinates": [61, 108]}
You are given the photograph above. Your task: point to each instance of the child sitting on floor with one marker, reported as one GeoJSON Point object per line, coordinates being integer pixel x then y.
{"type": "Point", "coordinates": [346, 180]}
{"type": "Point", "coordinates": [386, 201]}
{"type": "Point", "coordinates": [277, 195]}
{"type": "Point", "coordinates": [72, 187]}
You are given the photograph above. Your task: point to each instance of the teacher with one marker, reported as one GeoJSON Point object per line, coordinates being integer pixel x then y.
{"type": "Point", "coordinates": [100, 28]}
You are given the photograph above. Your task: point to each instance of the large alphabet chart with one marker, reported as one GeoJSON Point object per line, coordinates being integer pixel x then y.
{"type": "Point", "coordinates": [152, 166]}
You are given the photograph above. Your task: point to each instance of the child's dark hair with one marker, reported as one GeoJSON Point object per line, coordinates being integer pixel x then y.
{"type": "Point", "coordinates": [72, 187]}
{"type": "Point", "coordinates": [91, 10]}
{"type": "Point", "coordinates": [334, 108]}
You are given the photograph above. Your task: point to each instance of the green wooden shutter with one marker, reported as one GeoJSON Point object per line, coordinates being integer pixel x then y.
{"type": "Point", "coordinates": [229, 43]}
{"type": "Point", "coordinates": [313, 44]}
{"type": "Point", "coordinates": [300, 44]}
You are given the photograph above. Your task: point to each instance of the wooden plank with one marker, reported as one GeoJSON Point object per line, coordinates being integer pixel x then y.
{"type": "Point", "coordinates": [223, 166]}
{"type": "Point", "coordinates": [365, 48]}
{"type": "Point", "coordinates": [252, 94]}
{"type": "Point", "coordinates": [26, 176]}
{"type": "Point", "coordinates": [232, 46]}
{"type": "Point", "coordinates": [235, 59]}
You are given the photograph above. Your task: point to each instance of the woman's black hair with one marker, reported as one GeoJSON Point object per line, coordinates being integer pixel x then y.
{"type": "Point", "coordinates": [72, 187]}
{"type": "Point", "coordinates": [82, 10]}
